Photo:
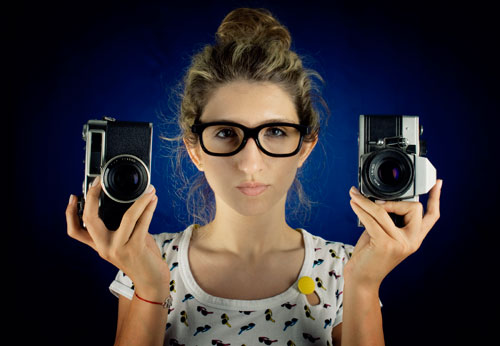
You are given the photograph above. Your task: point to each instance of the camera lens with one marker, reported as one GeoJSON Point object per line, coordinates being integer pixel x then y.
{"type": "Point", "coordinates": [388, 173]}
{"type": "Point", "coordinates": [125, 178]}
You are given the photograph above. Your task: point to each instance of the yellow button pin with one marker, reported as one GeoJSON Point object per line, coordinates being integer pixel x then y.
{"type": "Point", "coordinates": [306, 285]}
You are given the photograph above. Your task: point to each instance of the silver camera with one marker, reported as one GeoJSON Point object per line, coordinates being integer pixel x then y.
{"type": "Point", "coordinates": [392, 165]}
{"type": "Point", "coordinates": [120, 153]}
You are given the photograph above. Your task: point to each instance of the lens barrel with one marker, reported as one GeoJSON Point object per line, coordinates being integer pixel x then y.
{"type": "Point", "coordinates": [125, 178]}
{"type": "Point", "coordinates": [388, 173]}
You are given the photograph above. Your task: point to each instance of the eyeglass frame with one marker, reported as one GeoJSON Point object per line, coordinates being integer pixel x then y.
{"type": "Point", "coordinates": [198, 128]}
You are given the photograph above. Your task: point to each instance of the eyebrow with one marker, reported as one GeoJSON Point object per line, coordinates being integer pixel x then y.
{"type": "Point", "coordinates": [268, 121]}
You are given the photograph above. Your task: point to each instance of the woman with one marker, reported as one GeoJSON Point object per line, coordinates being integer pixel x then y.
{"type": "Point", "coordinates": [247, 277]}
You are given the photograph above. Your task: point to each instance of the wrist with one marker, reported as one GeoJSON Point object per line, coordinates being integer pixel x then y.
{"type": "Point", "coordinates": [363, 287]}
{"type": "Point", "coordinates": [153, 293]}
{"type": "Point", "coordinates": [363, 281]}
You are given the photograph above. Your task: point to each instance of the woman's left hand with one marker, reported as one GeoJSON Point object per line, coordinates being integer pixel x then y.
{"type": "Point", "coordinates": [382, 246]}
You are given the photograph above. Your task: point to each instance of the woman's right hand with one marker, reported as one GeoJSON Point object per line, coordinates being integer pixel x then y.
{"type": "Point", "coordinates": [131, 247]}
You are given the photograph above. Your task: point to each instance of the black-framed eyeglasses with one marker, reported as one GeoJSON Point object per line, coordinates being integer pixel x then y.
{"type": "Point", "coordinates": [224, 138]}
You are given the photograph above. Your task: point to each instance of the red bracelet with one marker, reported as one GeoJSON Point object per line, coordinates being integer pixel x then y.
{"type": "Point", "coordinates": [166, 304]}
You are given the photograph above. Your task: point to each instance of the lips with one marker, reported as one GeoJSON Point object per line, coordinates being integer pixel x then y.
{"type": "Point", "coordinates": [252, 188]}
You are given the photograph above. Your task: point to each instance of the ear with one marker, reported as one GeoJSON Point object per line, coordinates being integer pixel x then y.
{"type": "Point", "coordinates": [194, 154]}
{"type": "Point", "coordinates": [307, 148]}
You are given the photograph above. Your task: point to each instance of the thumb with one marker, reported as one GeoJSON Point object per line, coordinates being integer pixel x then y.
{"type": "Point", "coordinates": [412, 211]}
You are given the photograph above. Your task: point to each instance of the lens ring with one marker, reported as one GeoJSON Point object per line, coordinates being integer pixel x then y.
{"type": "Point", "coordinates": [388, 173]}
{"type": "Point", "coordinates": [125, 178]}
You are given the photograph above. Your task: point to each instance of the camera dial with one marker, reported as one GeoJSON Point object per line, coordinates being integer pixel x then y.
{"type": "Point", "coordinates": [125, 178]}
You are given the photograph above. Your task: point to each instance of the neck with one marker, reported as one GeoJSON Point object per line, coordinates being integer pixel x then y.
{"type": "Point", "coordinates": [247, 237]}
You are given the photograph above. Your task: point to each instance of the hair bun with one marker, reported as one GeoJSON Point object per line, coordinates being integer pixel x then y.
{"type": "Point", "coordinates": [256, 26]}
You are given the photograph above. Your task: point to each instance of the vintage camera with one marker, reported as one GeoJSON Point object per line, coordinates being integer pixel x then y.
{"type": "Point", "coordinates": [120, 153]}
{"type": "Point", "coordinates": [392, 165]}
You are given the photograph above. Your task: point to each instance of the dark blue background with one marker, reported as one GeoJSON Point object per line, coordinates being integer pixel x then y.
{"type": "Point", "coordinates": [69, 63]}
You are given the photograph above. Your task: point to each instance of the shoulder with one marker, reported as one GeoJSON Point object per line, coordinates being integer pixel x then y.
{"type": "Point", "coordinates": [170, 242]}
{"type": "Point", "coordinates": [330, 247]}
{"type": "Point", "coordinates": [167, 238]}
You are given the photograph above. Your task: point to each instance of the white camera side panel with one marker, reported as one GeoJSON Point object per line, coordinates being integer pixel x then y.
{"type": "Point", "coordinates": [425, 175]}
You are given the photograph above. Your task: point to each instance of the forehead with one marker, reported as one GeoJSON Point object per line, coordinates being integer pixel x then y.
{"type": "Point", "coordinates": [250, 104]}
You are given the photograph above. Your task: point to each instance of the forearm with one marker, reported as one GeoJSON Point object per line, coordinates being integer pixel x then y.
{"type": "Point", "coordinates": [362, 318]}
{"type": "Point", "coordinates": [144, 324]}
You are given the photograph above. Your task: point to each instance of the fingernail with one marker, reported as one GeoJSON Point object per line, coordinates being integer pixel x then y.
{"type": "Point", "coordinates": [70, 199]}
{"type": "Point", "coordinates": [150, 188]}
{"type": "Point", "coordinates": [354, 190]}
{"type": "Point", "coordinates": [96, 181]}
{"type": "Point", "coordinates": [440, 184]}
{"type": "Point", "coordinates": [378, 201]}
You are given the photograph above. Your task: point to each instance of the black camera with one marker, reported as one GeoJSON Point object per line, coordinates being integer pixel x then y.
{"type": "Point", "coordinates": [120, 153]}
{"type": "Point", "coordinates": [392, 165]}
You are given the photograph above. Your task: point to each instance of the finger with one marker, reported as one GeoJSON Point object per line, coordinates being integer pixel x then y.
{"type": "Point", "coordinates": [372, 227]}
{"type": "Point", "coordinates": [91, 209]}
{"type": "Point", "coordinates": [142, 225]}
{"type": "Point", "coordinates": [132, 215]}
{"type": "Point", "coordinates": [433, 204]}
{"type": "Point", "coordinates": [363, 240]}
{"type": "Point", "coordinates": [95, 225]}
{"type": "Point", "coordinates": [412, 211]}
{"type": "Point", "coordinates": [376, 212]}
{"type": "Point", "coordinates": [74, 229]}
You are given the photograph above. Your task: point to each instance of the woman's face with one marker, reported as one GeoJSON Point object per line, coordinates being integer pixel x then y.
{"type": "Point", "coordinates": [249, 104]}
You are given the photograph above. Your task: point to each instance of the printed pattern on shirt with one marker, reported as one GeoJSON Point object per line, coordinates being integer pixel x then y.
{"type": "Point", "coordinates": [193, 321]}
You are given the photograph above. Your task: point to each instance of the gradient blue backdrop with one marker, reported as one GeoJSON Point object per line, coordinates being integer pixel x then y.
{"type": "Point", "coordinates": [71, 63]}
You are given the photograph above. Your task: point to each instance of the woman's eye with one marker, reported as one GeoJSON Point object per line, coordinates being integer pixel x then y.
{"type": "Point", "coordinates": [275, 132]}
{"type": "Point", "coordinates": [225, 133]}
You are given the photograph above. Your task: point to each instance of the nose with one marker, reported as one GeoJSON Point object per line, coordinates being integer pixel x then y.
{"type": "Point", "coordinates": [250, 158]}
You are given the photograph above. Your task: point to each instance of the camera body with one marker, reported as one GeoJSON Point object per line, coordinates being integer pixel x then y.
{"type": "Point", "coordinates": [120, 153]}
{"type": "Point", "coordinates": [392, 163]}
